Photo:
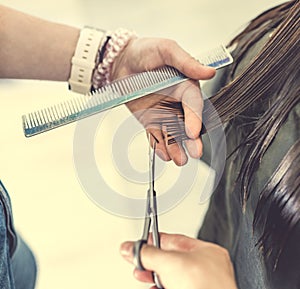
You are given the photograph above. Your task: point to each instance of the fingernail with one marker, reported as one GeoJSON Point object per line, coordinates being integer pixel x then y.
{"type": "Point", "coordinates": [212, 69]}
{"type": "Point", "coordinates": [126, 249]}
{"type": "Point", "coordinates": [162, 155]}
{"type": "Point", "coordinates": [194, 148]}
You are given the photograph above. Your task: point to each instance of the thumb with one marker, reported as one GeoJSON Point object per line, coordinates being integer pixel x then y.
{"type": "Point", "coordinates": [151, 257]}
{"type": "Point", "coordinates": [185, 63]}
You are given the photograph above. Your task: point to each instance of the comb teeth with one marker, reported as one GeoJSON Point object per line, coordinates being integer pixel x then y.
{"type": "Point", "coordinates": [172, 120]}
{"type": "Point", "coordinates": [217, 57]}
{"type": "Point", "coordinates": [114, 94]}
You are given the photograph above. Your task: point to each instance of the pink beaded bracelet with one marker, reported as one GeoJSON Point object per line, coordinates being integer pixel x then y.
{"type": "Point", "coordinates": [117, 41]}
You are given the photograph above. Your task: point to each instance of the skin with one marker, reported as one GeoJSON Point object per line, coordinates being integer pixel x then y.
{"type": "Point", "coordinates": [32, 48]}
{"type": "Point", "coordinates": [184, 263]}
{"type": "Point", "coordinates": [152, 53]}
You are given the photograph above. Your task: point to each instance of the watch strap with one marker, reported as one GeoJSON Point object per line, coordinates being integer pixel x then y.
{"type": "Point", "coordinates": [84, 59]}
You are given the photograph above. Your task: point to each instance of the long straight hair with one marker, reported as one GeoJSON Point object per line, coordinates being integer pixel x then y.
{"type": "Point", "coordinates": [272, 74]}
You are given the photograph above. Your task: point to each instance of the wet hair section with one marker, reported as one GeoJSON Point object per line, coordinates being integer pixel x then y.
{"type": "Point", "coordinates": [278, 210]}
{"type": "Point", "coordinates": [274, 75]}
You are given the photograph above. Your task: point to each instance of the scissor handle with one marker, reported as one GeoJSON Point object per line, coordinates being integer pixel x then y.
{"type": "Point", "coordinates": [137, 247]}
{"type": "Point", "coordinates": [157, 281]}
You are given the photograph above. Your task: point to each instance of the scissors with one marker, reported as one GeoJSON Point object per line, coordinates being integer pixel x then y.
{"type": "Point", "coordinates": [150, 217]}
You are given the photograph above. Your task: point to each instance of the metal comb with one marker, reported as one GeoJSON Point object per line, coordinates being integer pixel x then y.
{"type": "Point", "coordinates": [116, 93]}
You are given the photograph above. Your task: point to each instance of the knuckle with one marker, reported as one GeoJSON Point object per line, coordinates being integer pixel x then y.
{"type": "Point", "coordinates": [223, 252]}
{"type": "Point", "coordinates": [218, 250]}
{"type": "Point", "coordinates": [166, 49]}
{"type": "Point", "coordinates": [169, 44]}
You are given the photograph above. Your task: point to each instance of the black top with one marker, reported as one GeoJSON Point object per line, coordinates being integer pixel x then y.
{"type": "Point", "coordinates": [227, 225]}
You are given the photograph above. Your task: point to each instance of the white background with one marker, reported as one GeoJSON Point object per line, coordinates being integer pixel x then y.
{"type": "Point", "coordinates": [76, 242]}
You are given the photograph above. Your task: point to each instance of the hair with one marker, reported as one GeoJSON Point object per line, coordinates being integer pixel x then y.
{"type": "Point", "coordinates": [273, 73]}
{"type": "Point", "coordinates": [279, 205]}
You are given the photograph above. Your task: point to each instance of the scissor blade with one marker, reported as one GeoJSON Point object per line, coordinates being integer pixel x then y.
{"type": "Point", "coordinates": [152, 167]}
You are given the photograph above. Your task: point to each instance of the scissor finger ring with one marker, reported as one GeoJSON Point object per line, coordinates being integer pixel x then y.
{"type": "Point", "coordinates": [137, 247]}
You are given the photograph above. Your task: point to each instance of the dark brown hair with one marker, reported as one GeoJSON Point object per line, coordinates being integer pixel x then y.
{"type": "Point", "coordinates": [273, 73]}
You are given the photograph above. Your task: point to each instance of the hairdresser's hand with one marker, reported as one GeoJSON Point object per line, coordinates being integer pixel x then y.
{"type": "Point", "coordinates": [142, 54]}
{"type": "Point", "coordinates": [184, 263]}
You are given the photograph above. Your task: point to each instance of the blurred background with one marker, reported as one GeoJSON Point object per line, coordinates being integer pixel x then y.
{"type": "Point", "coordinates": [76, 242]}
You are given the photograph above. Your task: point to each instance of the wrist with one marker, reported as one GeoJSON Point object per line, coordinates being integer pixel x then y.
{"type": "Point", "coordinates": [123, 61]}
{"type": "Point", "coordinates": [104, 72]}
{"type": "Point", "coordinates": [85, 58]}
{"type": "Point", "coordinates": [92, 65]}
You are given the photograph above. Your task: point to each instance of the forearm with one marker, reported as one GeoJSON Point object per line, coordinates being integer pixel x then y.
{"type": "Point", "coordinates": [32, 48]}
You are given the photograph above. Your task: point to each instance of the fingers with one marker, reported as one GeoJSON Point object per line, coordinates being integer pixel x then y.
{"type": "Point", "coordinates": [177, 242]}
{"type": "Point", "coordinates": [175, 151]}
{"type": "Point", "coordinates": [188, 93]}
{"type": "Point", "coordinates": [161, 150]}
{"type": "Point", "coordinates": [198, 264]}
{"type": "Point", "coordinates": [168, 242]}
{"type": "Point", "coordinates": [165, 151]}
{"type": "Point", "coordinates": [194, 147]}
{"type": "Point", "coordinates": [175, 56]}
{"type": "Point", "coordinates": [126, 251]}
{"type": "Point", "coordinates": [173, 248]}
{"type": "Point", "coordinates": [192, 104]}
{"type": "Point", "coordinates": [154, 259]}
{"type": "Point", "coordinates": [151, 257]}
{"type": "Point", "coordinates": [143, 276]}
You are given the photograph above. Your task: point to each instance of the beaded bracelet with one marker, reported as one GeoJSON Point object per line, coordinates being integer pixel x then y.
{"type": "Point", "coordinates": [110, 50]}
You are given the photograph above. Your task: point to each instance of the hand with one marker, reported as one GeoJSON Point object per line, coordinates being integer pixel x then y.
{"type": "Point", "coordinates": [184, 263]}
{"type": "Point", "coordinates": [142, 54]}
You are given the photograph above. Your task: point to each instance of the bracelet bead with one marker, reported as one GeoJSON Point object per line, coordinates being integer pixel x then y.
{"type": "Point", "coordinates": [116, 43]}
